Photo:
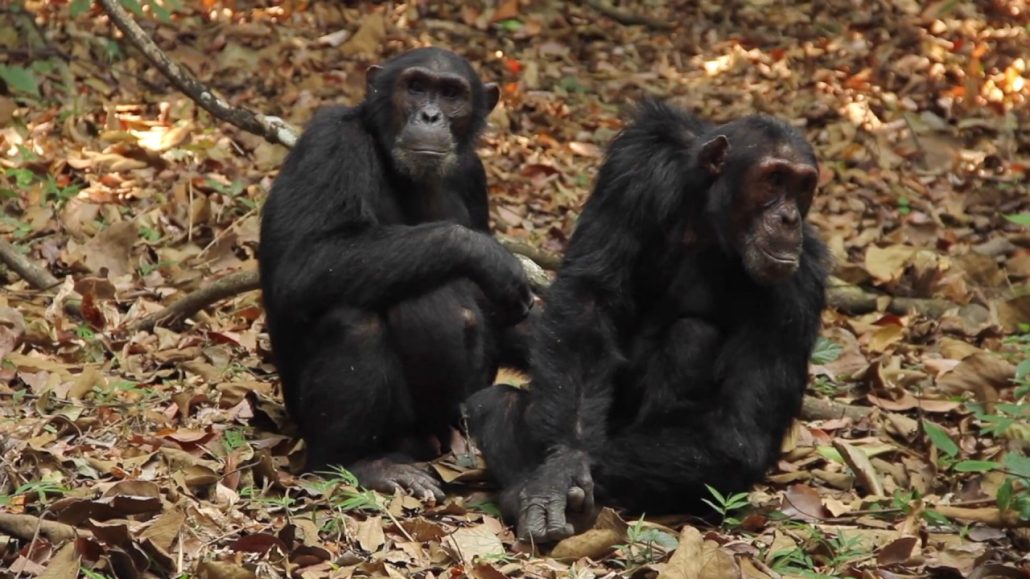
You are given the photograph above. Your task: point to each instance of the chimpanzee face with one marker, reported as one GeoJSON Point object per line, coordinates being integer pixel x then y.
{"type": "Point", "coordinates": [433, 111]}
{"type": "Point", "coordinates": [775, 197]}
{"type": "Point", "coordinates": [770, 181]}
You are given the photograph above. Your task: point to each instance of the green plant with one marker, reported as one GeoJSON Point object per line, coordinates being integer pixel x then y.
{"type": "Point", "coordinates": [644, 545]}
{"type": "Point", "coordinates": [825, 351]}
{"type": "Point", "coordinates": [724, 505]}
{"type": "Point", "coordinates": [233, 438]}
{"type": "Point", "coordinates": [43, 489]}
{"type": "Point", "coordinates": [486, 507]}
{"type": "Point", "coordinates": [904, 205]}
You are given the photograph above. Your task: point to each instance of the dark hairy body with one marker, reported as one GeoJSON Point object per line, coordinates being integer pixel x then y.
{"type": "Point", "coordinates": [387, 299]}
{"type": "Point", "coordinates": [673, 347]}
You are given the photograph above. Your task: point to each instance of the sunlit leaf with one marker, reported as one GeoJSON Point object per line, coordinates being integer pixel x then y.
{"type": "Point", "coordinates": [1017, 465]}
{"type": "Point", "coordinates": [133, 6]}
{"type": "Point", "coordinates": [826, 351]}
{"type": "Point", "coordinates": [160, 11]}
{"type": "Point", "coordinates": [20, 79]}
{"type": "Point", "coordinates": [78, 7]}
{"type": "Point", "coordinates": [1019, 219]}
{"type": "Point", "coordinates": [976, 466]}
{"type": "Point", "coordinates": [940, 438]}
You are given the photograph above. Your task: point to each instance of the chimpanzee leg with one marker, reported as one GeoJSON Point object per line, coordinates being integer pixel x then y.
{"type": "Point", "coordinates": [352, 396]}
{"type": "Point", "coordinates": [352, 404]}
{"type": "Point", "coordinates": [513, 350]}
{"type": "Point", "coordinates": [447, 350]}
{"type": "Point", "coordinates": [497, 423]}
{"type": "Point", "coordinates": [653, 463]}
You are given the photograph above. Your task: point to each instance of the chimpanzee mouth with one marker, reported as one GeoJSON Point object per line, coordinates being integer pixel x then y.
{"type": "Point", "coordinates": [784, 259]}
{"type": "Point", "coordinates": [429, 152]}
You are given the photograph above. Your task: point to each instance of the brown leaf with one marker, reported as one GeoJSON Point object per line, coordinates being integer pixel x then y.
{"type": "Point", "coordinates": [898, 552]}
{"type": "Point", "coordinates": [219, 570]}
{"type": "Point", "coordinates": [111, 249]}
{"type": "Point", "coordinates": [983, 374]}
{"type": "Point", "coordinates": [258, 543]}
{"type": "Point", "coordinates": [593, 543]}
{"type": "Point", "coordinates": [63, 565]}
{"type": "Point", "coordinates": [369, 534]}
{"type": "Point", "coordinates": [470, 542]}
{"type": "Point", "coordinates": [165, 529]}
{"type": "Point", "coordinates": [888, 263]}
{"type": "Point", "coordinates": [803, 502]}
{"type": "Point", "coordinates": [368, 37]}
{"type": "Point", "coordinates": [687, 561]}
{"type": "Point", "coordinates": [12, 326]}
{"type": "Point", "coordinates": [865, 474]}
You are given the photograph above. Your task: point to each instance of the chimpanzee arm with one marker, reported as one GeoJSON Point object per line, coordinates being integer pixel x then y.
{"type": "Point", "coordinates": [382, 265]}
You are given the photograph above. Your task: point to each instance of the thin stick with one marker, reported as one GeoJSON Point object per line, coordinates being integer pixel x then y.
{"type": "Point", "coordinates": [226, 287]}
{"type": "Point", "coordinates": [626, 17]}
{"type": "Point", "coordinates": [37, 277]}
{"type": "Point", "coordinates": [272, 128]}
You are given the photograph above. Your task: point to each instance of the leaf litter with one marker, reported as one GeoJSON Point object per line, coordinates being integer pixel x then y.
{"type": "Point", "coordinates": [168, 453]}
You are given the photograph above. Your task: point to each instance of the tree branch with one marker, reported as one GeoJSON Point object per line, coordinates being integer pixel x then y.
{"type": "Point", "coordinates": [226, 287]}
{"type": "Point", "coordinates": [626, 17]}
{"type": "Point", "coordinates": [274, 129]}
{"type": "Point", "coordinates": [37, 277]}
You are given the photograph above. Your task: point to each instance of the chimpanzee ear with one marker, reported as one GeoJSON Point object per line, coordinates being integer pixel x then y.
{"type": "Point", "coordinates": [370, 76]}
{"type": "Point", "coordinates": [493, 94]}
{"type": "Point", "coordinates": [713, 154]}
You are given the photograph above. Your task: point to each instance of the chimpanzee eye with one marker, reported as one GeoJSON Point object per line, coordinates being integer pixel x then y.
{"type": "Point", "coordinates": [416, 86]}
{"type": "Point", "coordinates": [449, 92]}
{"type": "Point", "coordinates": [776, 178]}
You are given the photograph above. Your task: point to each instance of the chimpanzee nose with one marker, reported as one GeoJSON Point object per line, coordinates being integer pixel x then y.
{"type": "Point", "coordinates": [789, 216]}
{"type": "Point", "coordinates": [430, 115]}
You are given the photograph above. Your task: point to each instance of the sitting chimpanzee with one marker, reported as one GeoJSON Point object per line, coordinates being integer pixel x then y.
{"type": "Point", "coordinates": [386, 296]}
{"type": "Point", "coordinates": [673, 347]}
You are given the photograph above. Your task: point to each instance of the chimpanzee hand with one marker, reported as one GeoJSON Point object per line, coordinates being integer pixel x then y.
{"type": "Point", "coordinates": [505, 282]}
{"type": "Point", "coordinates": [386, 476]}
{"type": "Point", "coordinates": [559, 486]}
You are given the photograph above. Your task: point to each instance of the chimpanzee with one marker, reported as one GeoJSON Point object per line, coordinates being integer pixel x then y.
{"type": "Point", "coordinates": [386, 296]}
{"type": "Point", "coordinates": [672, 349]}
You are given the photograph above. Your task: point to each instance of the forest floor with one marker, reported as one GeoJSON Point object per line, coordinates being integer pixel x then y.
{"type": "Point", "coordinates": [167, 452]}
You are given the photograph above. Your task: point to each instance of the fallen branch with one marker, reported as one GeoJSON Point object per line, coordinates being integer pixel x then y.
{"type": "Point", "coordinates": [25, 527]}
{"type": "Point", "coordinates": [274, 129]}
{"type": "Point", "coordinates": [821, 409]}
{"type": "Point", "coordinates": [37, 277]}
{"type": "Point", "coordinates": [853, 300]}
{"type": "Point", "coordinates": [626, 17]}
{"type": "Point", "coordinates": [226, 287]}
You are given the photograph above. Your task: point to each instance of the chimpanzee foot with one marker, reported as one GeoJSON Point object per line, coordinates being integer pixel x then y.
{"type": "Point", "coordinates": [386, 476]}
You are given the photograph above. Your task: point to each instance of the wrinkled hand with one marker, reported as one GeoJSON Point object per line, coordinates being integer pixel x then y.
{"type": "Point", "coordinates": [386, 476]}
{"type": "Point", "coordinates": [560, 486]}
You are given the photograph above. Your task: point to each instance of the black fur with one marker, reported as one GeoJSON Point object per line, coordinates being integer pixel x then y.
{"type": "Point", "coordinates": [658, 359]}
{"type": "Point", "coordinates": [386, 296]}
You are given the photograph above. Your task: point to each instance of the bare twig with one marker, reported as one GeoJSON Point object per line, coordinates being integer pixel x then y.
{"type": "Point", "coordinates": [820, 409]}
{"type": "Point", "coordinates": [626, 17]}
{"type": "Point", "coordinates": [37, 277]}
{"type": "Point", "coordinates": [852, 299]}
{"type": "Point", "coordinates": [26, 527]}
{"type": "Point", "coordinates": [226, 287]}
{"type": "Point", "coordinates": [272, 128]}
{"type": "Point", "coordinates": [545, 259]}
